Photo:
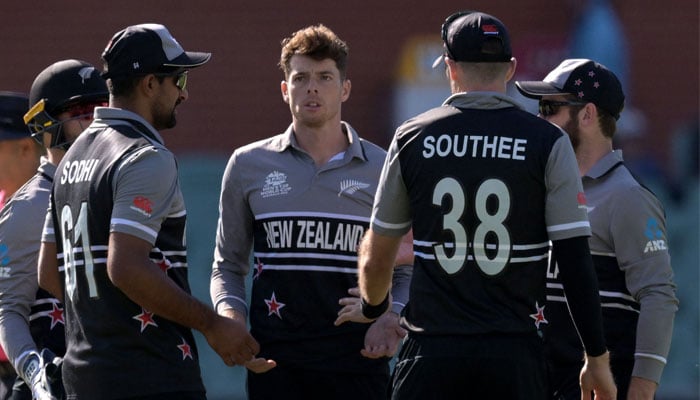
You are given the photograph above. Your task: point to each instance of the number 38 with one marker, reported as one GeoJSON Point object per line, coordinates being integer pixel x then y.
{"type": "Point", "coordinates": [450, 187]}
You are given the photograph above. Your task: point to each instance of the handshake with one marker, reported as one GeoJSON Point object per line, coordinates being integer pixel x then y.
{"type": "Point", "coordinates": [42, 373]}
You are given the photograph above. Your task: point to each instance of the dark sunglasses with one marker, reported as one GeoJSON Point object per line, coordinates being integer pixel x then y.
{"type": "Point", "coordinates": [550, 107]}
{"type": "Point", "coordinates": [180, 79]}
{"type": "Point", "coordinates": [446, 25]}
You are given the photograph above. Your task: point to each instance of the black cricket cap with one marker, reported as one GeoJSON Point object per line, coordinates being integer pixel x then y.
{"type": "Point", "coordinates": [147, 48]}
{"type": "Point", "coordinates": [587, 80]}
{"type": "Point", "coordinates": [12, 108]}
{"type": "Point", "coordinates": [473, 36]}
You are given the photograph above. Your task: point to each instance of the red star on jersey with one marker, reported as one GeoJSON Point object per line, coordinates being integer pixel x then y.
{"type": "Point", "coordinates": [186, 350]}
{"type": "Point", "coordinates": [258, 269]}
{"type": "Point", "coordinates": [146, 318]}
{"type": "Point", "coordinates": [539, 316]}
{"type": "Point", "coordinates": [164, 264]}
{"type": "Point", "coordinates": [56, 315]}
{"type": "Point", "coordinates": [274, 307]}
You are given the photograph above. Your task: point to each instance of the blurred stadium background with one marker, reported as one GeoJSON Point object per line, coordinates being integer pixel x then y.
{"type": "Point", "coordinates": [651, 44]}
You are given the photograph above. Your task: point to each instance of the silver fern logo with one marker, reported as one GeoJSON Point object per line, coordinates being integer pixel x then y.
{"type": "Point", "coordinates": [351, 186]}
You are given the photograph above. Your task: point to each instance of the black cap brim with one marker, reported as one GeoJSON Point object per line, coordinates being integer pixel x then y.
{"type": "Point", "coordinates": [189, 59]}
{"type": "Point", "coordinates": [537, 89]}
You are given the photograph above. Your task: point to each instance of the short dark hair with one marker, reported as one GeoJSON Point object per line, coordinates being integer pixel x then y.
{"type": "Point", "coordinates": [317, 42]}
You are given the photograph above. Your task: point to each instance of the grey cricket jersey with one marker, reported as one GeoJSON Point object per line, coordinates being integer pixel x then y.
{"type": "Point", "coordinates": [630, 252]}
{"type": "Point", "coordinates": [303, 224]}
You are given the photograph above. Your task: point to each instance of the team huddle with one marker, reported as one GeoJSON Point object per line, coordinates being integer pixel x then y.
{"type": "Point", "coordinates": [499, 254]}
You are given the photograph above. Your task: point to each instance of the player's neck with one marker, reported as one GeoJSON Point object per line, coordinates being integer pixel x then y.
{"type": "Point", "coordinates": [321, 143]}
{"type": "Point", "coordinates": [589, 153]}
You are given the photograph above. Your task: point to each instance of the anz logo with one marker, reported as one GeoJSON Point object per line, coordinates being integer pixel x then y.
{"type": "Point", "coordinates": [4, 260]}
{"type": "Point", "coordinates": [656, 238]}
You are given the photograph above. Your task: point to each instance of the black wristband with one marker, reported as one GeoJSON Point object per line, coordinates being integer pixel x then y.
{"type": "Point", "coordinates": [373, 312]}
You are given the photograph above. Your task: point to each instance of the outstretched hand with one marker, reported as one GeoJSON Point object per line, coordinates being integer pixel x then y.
{"type": "Point", "coordinates": [383, 337]}
{"type": "Point", "coordinates": [352, 310]}
{"type": "Point", "coordinates": [596, 377]}
{"type": "Point", "coordinates": [229, 337]}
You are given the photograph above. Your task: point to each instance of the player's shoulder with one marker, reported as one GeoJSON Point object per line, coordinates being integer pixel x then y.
{"type": "Point", "coordinates": [629, 192]}
{"type": "Point", "coordinates": [274, 143]}
{"type": "Point", "coordinates": [372, 150]}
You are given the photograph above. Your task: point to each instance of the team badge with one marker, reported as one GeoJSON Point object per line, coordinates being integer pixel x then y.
{"type": "Point", "coordinates": [350, 186]}
{"type": "Point", "coordinates": [275, 185]}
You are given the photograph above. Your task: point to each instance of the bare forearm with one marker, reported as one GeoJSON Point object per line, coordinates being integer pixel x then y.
{"type": "Point", "coordinates": [132, 271]}
{"type": "Point", "coordinates": [49, 278]}
{"type": "Point", "coordinates": [376, 263]}
{"type": "Point", "coordinates": [149, 287]}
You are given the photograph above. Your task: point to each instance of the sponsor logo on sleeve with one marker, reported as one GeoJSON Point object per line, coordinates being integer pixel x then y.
{"type": "Point", "coordinates": [142, 205]}
{"type": "Point", "coordinates": [653, 232]}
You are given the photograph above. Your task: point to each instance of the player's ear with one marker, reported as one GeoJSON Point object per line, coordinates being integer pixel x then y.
{"type": "Point", "coordinates": [511, 69]}
{"type": "Point", "coordinates": [588, 115]}
{"type": "Point", "coordinates": [347, 85]}
{"type": "Point", "coordinates": [284, 88]}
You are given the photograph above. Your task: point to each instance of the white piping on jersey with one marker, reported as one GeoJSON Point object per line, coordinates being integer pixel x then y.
{"type": "Point", "coordinates": [598, 253]}
{"type": "Point", "coordinates": [426, 256]}
{"type": "Point", "coordinates": [182, 253]}
{"type": "Point", "coordinates": [562, 299]}
{"type": "Point", "coordinates": [139, 226]}
{"type": "Point", "coordinates": [386, 225]}
{"type": "Point", "coordinates": [180, 213]}
{"type": "Point", "coordinates": [322, 256]}
{"type": "Point", "coordinates": [40, 314]}
{"type": "Point", "coordinates": [653, 356]}
{"type": "Point", "coordinates": [103, 260]}
{"type": "Point", "coordinates": [618, 305]}
{"type": "Point", "coordinates": [232, 297]}
{"type": "Point", "coordinates": [569, 226]}
{"type": "Point", "coordinates": [47, 300]}
{"type": "Point", "coordinates": [316, 268]}
{"type": "Point", "coordinates": [286, 214]}
{"type": "Point", "coordinates": [618, 295]}
{"type": "Point", "coordinates": [489, 246]}
{"type": "Point", "coordinates": [605, 293]}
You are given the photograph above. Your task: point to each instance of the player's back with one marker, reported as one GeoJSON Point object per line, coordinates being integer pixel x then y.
{"type": "Point", "coordinates": [481, 183]}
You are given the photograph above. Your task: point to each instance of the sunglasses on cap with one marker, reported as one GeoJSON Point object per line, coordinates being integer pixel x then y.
{"type": "Point", "coordinates": [551, 107]}
{"type": "Point", "coordinates": [446, 25]}
{"type": "Point", "coordinates": [180, 79]}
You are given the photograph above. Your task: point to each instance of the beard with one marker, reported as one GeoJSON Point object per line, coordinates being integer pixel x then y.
{"type": "Point", "coordinates": [164, 117]}
{"type": "Point", "coordinates": [572, 129]}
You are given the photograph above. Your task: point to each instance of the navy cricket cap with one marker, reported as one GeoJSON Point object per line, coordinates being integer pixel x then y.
{"type": "Point", "coordinates": [474, 36]}
{"type": "Point", "coordinates": [586, 79]}
{"type": "Point", "coordinates": [12, 108]}
{"type": "Point", "coordinates": [146, 48]}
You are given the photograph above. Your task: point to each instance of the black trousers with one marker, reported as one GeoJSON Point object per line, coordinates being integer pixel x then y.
{"type": "Point", "coordinates": [491, 366]}
{"type": "Point", "coordinates": [295, 384]}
